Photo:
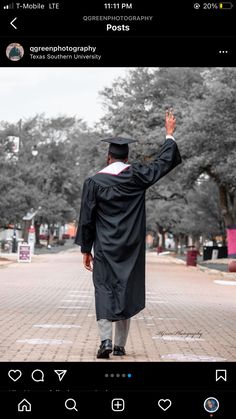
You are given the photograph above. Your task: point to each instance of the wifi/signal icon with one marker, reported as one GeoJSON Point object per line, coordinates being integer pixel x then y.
{"type": "Point", "coordinates": [9, 6]}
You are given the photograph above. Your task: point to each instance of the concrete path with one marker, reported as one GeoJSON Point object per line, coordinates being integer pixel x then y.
{"type": "Point", "coordinates": [47, 312]}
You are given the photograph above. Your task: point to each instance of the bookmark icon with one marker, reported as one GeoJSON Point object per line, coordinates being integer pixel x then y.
{"type": "Point", "coordinates": [221, 375]}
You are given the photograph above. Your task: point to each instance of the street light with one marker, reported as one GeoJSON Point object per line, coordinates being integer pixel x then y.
{"type": "Point", "coordinates": [34, 151]}
{"type": "Point", "coordinates": [29, 225]}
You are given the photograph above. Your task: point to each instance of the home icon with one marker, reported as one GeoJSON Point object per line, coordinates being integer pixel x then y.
{"type": "Point", "coordinates": [24, 406]}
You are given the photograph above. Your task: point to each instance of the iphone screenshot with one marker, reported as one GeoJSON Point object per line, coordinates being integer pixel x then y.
{"type": "Point", "coordinates": [117, 209]}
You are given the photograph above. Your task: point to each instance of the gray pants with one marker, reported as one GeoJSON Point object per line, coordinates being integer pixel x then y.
{"type": "Point", "coordinates": [121, 330]}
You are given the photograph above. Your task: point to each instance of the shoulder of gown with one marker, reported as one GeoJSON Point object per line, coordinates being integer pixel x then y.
{"type": "Point", "coordinates": [166, 160]}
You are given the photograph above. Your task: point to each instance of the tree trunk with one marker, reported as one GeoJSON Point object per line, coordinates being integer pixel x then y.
{"type": "Point", "coordinates": [182, 243]}
{"type": "Point", "coordinates": [224, 205]}
{"type": "Point", "coordinates": [227, 199]}
{"type": "Point", "coordinates": [176, 240]}
{"type": "Point", "coordinates": [51, 229]}
{"type": "Point", "coordinates": [163, 240]}
{"type": "Point", "coordinates": [155, 239]}
{"type": "Point", "coordinates": [25, 230]}
{"type": "Point", "coordinates": [60, 231]}
{"type": "Point", "coordinates": [190, 241]}
{"type": "Point", "coordinates": [37, 230]}
{"type": "Point", "coordinates": [196, 242]}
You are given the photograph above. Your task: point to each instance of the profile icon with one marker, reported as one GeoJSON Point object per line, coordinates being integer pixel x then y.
{"type": "Point", "coordinates": [211, 405]}
{"type": "Point", "coordinates": [14, 51]}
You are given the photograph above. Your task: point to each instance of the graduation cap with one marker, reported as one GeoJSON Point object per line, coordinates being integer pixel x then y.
{"type": "Point", "coordinates": [119, 146]}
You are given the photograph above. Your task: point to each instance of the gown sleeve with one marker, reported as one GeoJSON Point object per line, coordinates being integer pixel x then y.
{"type": "Point", "coordinates": [167, 159]}
{"type": "Point", "coordinates": [86, 228]}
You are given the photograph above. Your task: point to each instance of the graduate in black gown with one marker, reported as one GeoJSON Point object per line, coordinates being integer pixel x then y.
{"type": "Point", "coordinates": [112, 223]}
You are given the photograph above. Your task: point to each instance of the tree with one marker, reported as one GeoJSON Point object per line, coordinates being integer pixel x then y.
{"type": "Point", "coordinates": [212, 140]}
{"type": "Point", "coordinates": [67, 152]}
{"type": "Point", "coordinates": [198, 215]}
{"type": "Point", "coordinates": [203, 99]}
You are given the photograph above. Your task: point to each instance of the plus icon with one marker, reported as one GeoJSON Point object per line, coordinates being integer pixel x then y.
{"type": "Point", "coordinates": [118, 405]}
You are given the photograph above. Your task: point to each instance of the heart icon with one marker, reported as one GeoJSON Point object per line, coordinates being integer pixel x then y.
{"type": "Point", "coordinates": [164, 404]}
{"type": "Point", "coordinates": [14, 374]}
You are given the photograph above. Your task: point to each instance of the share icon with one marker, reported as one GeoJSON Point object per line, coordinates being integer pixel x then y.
{"type": "Point", "coordinates": [60, 373]}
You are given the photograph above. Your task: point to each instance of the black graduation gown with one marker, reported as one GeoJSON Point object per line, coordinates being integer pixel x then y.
{"type": "Point", "coordinates": [112, 221]}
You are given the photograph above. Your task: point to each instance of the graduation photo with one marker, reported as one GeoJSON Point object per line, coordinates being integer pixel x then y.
{"type": "Point", "coordinates": [118, 214]}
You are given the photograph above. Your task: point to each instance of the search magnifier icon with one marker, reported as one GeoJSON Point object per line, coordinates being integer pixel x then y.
{"type": "Point", "coordinates": [70, 404]}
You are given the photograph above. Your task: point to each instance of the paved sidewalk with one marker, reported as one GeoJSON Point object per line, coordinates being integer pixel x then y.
{"type": "Point", "coordinates": [47, 313]}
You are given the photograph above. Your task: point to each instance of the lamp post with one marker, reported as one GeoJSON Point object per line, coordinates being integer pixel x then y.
{"type": "Point", "coordinates": [31, 237]}
{"type": "Point", "coordinates": [14, 242]}
{"type": "Point", "coordinates": [34, 151]}
{"type": "Point", "coordinates": [29, 227]}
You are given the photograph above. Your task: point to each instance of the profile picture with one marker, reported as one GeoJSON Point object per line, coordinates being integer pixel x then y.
{"type": "Point", "coordinates": [14, 52]}
{"type": "Point", "coordinates": [211, 405]}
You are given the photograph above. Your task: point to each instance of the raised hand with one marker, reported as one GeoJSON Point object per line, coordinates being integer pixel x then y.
{"type": "Point", "coordinates": [170, 122]}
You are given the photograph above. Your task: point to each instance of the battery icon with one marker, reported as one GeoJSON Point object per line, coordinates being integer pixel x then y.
{"type": "Point", "coordinates": [226, 5]}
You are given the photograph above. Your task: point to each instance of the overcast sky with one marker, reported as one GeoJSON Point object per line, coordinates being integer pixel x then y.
{"type": "Point", "coordinates": [72, 91]}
